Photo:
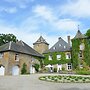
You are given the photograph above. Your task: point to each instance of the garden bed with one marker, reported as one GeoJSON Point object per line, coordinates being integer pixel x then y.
{"type": "Point", "coordinates": [66, 79]}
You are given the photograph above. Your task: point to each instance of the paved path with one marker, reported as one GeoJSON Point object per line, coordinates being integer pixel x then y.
{"type": "Point", "coordinates": [31, 82]}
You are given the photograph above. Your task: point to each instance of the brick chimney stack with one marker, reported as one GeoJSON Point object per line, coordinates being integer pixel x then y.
{"type": "Point", "coordinates": [68, 37]}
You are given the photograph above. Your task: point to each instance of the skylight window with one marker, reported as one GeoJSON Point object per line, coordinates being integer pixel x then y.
{"type": "Point", "coordinates": [64, 46]}
{"type": "Point", "coordinates": [60, 45]}
{"type": "Point", "coordinates": [54, 48]}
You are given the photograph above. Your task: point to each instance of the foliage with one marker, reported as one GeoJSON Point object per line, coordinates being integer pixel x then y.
{"type": "Point", "coordinates": [54, 60]}
{"type": "Point", "coordinates": [36, 66]}
{"type": "Point", "coordinates": [83, 72]}
{"type": "Point", "coordinates": [24, 69]}
{"type": "Point", "coordinates": [75, 51]}
{"type": "Point", "coordinates": [66, 79]}
{"type": "Point", "coordinates": [87, 51]}
{"type": "Point", "coordinates": [5, 38]}
{"type": "Point", "coordinates": [88, 33]}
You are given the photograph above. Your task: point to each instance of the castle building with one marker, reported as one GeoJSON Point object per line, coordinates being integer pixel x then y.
{"type": "Point", "coordinates": [58, 56]}
{"type": "Point", "coordinates": [63, 55]}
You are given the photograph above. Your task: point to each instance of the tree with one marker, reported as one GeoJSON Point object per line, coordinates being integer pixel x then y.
{"type": "Point", "coordinates": [5, 38]}
{"type": "Point", "coordinates": [88, 33]}
{"type": "Point", "coordinates": [24, 69]}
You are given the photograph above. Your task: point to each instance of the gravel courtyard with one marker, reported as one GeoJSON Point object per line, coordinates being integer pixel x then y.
{"type": "Point", "coordinates": [31, 82]}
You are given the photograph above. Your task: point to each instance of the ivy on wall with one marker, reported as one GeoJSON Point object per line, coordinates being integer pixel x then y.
{"type": "Point", "coordinates": [87, 51]}
{"type": "Point", "coordinates": [75, 51]}
{"type": "Point", "coordinates": [54, 60]}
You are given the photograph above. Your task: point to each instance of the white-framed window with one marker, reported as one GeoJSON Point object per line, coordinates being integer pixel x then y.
{"type": "Point", "coordinates": [1, 55]}
{"type": "Point", "coordinates": [82, 46]}
{"type": "Point", "coordinates": [50, 57]}
{"type": "Point", "coordinates": [60, 45]}
{"type": "Point", "coordinates": [16, 57]}
{"type": "Point", "coordinates": [58, 57]}
{"type": "Point", "coordinates": [69, 66]}
{"type": "Point", "coordinates": [80, 54]}
{"type": "Point", "coordinates": [54, 48]}
{"type": "Point", "coordinates": [68, 56]}
{"type": "Point", "coordinates": [64, 47]}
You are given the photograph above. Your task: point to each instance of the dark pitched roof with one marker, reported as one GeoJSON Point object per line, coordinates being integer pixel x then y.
{"type": "Point", "coordinates": [60, 46]}
{"type": "Point", "coordinates": [79, 35]}
{"type": "Point", "coordinates": [19, 47]}
{"type": "Point", "coordinates": [40, 40]}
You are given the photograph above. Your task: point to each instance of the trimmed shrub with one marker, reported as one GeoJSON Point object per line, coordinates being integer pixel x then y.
{"type": "Point", "coordinates": [24, 69]}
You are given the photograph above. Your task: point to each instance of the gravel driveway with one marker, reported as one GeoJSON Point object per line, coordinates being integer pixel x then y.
{"type": "Point", "coordinates": [31, 82]}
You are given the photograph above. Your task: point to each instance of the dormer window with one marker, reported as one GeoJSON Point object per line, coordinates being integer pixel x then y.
{"type": "Point", "coordinates": [60, 45]}
{"type": "Point", "coordinates": [16, 57]}
{"type": "Point", "coordinates": [64, 46]}
{"type": "Point", "coordinates": [54, 48]}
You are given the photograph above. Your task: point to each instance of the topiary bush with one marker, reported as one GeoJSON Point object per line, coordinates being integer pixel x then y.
{"type": "Point", "coordinates": [24, 69]}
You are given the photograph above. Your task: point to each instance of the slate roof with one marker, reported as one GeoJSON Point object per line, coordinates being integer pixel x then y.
{"type": "Point", "coordinates": [19, 47]}
{"type": "Point", "coordinates": [79, 35]}
{"type": "Point", "coordinates": [60, 46]}
{"type": "Point", "coordinates": [40, 40]}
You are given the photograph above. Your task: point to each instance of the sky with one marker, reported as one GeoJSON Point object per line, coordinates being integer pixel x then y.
{"type": "Point", "coordinates": [30, 19]}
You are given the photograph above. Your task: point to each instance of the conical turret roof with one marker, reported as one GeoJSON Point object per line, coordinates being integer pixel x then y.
{"type": "Point", "coordinates": [40, 40]}
{"type": "Point", "coordinates": [79, 35]}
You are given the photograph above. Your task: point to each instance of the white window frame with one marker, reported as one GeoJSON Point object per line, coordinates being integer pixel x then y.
{"type": "Point", "coordinates": [50, 57]}
{"type": "Point", "coordinates": [64, 47]}
{"type": "Point", "coordinates": [68, 56]}
{"type": "Point", "coordinates": [80, 54]}
{"type": "Point", "coordinates": [81, 46]}
{"type": "Point", "coordinates": [69, 66]}
{"type": "Point", "coordinates": [54, 48]}
{"type": "Point", "coordinates": [58, 57]}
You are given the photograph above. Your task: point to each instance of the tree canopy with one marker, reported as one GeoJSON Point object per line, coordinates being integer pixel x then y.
{"type": "Point", "coordinates": [88, 33]}
{"type": "Point", "coordinates": [5, 38]}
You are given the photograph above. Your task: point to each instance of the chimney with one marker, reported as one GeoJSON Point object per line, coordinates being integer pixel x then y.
{"type": "Point", "coordinates": [59, 38]}
{"type": "Point", "coordinates": [68, 37]}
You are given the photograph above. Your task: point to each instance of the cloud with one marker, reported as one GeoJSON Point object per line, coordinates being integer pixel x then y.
{"type": "Point", "coordinates": [78, 8]}
{"type": "Point", "coordinates": [44, 21]}
{"type": "Point", "coordinates": [48, 15]}
{"type": "Point", "coordinates": [8, 10]}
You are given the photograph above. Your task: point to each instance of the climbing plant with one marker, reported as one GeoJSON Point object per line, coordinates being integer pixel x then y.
{"type": "Point", "coordinates": [87, 51]}
{"type": "Point", "coordinates": [54, 60]}
{"type": "Point", "coordinates": [75, 52]}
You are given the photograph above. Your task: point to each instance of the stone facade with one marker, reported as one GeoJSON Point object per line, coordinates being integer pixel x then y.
{"type": "Point", "coordinates": [8, 61]}
{"type": "Point", "coordinates": [41, 45]}
{"type": "Point", "coordinates": [14, 55]}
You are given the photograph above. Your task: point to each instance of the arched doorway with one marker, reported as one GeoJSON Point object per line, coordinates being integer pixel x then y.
{"type": "Point", "coordinates": [32, 69]}
{"type": "Point", "coordinates": [2, 70]}
{"type": "Point", "coordinates": [15, 70]}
